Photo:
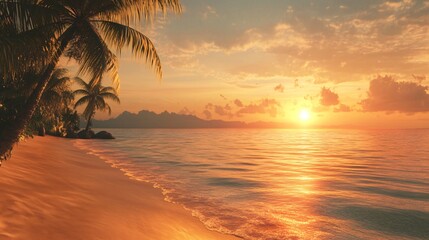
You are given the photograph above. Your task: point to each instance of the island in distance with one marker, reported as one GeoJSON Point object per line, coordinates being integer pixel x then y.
{"type": "Point", "coordinates": [149, 119]}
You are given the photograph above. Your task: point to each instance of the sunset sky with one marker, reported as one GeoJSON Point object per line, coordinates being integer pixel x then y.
{"type": "Point", "coordinates": [360, 63]}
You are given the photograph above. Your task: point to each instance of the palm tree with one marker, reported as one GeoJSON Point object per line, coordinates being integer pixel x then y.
{"type": "Point", "coordinates": [57, 92]}
{"type": "Point", "coordinates": [79, 29]}
{"type": "Point", "coordinates": [94, 96]}
{"type": "Point", "coordinates": [55, 99]}
{"type": "Point", "coordinates": [71, 122]}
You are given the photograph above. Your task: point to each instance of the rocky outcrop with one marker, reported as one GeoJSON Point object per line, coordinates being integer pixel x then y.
{"type": "Point", "coordinates": [104, 135]}
{"type": "Point", "coordinates": [71, 135]}
{"type": "Point", "coordinates": [86, 134]}
{"type": "Point", "coordinates": [83, 134]}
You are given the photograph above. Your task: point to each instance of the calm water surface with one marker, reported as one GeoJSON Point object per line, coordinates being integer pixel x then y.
{"type": "Point", "coordinates": [285, 184]}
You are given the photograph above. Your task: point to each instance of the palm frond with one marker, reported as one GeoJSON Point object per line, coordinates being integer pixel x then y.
{"type": "Point", "coordinates": [110, 96]}
{"type": "Point", "coordinates": [60, 72]}
{"type": "Point", "coordinates": [81, 101]}
{"type": "Point", "coordinates": [79, 81]}
{"type": "Point", "coordinates": [63, 81]}
{"type": "Point", "coordinates": [134, 11]}
{"type": "Point", "coordinates": [95, 84]}
{"type": "Point", "coordinates": [67, 97]}
{"type": "Point", "coordinates": [120, 35]}
{"type": "Point", "coordinates": [29, 49]}
{"type": "Point", "coordinates": [58, 79]}
{"type": "Point", "coordinates": [96, 57]}
{"type": "Point", "coordinates": [29, 14]}
{"type": "Point", "coordinates": [82, 92]}
{"type": "Point", "coordinates": [8, 63]}
{"type": "Point", "coordinates": [108, 89]}
{"type": "Point", "coordinates": [51, 97]}
{"type": "Point", "coordinates": [109, 110]}
{"type": "Point", "coordinates": [102, 105]}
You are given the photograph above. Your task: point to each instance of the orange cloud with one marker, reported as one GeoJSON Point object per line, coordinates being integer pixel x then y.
{"type": "Point", "coordinates": [186, 111]}
{"type": "Point", "coordinates": [263, 106]}
{"type": "Point", "coordinates": [223, 111]}
{"type": "Point", "coordinates": [279, 88]}
{"type": "Point", "coordinates": [238, 103]}
{"type": "Point", "coordinates": [328, 97]}
{"type": "Point", "coordinates": [381, 36]}
{"type": "Point", "coordinates": [387, 95]}
{"type": "Point", "coordinates": [207, 114]}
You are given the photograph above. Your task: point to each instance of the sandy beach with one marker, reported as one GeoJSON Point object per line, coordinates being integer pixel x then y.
{"type": "Point", "coordinates": [52, 190]}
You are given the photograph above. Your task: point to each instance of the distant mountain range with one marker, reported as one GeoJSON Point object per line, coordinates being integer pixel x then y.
{"type": "Point", "coordinates": [148, 119]}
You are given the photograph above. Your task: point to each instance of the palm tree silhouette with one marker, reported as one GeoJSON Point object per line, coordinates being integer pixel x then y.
{"type": "Point", "coordinates": [56, 98]}
{"type": "Point", "coordinates": [94, 96]}
{"type": "Point", "coordinates": [79, 29]}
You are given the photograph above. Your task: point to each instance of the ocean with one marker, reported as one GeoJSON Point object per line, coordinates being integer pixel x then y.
{"type": "Point", "coordinates": [284, 184]}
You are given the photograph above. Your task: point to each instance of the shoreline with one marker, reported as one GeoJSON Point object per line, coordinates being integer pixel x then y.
{"type": "Point", "coordinates": [50, 189]}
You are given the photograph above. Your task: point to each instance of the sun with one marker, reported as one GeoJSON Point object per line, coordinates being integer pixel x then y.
{"type": "Point", "coordinates": [304, 115]}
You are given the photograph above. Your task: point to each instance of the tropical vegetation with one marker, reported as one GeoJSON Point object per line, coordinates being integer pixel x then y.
{"type": "Point", "coordinates": [55, 104]}
{"type": "Point", "coordinates": [94, 96]}
{"type": "Point", "coordinates": [35, 34]}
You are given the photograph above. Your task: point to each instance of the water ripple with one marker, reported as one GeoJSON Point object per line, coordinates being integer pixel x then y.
{"type": "Point", "coordinates": [285, 184]}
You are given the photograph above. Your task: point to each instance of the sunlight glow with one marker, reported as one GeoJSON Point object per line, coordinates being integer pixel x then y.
{"type": "Point", "coordinates": [304, 115]}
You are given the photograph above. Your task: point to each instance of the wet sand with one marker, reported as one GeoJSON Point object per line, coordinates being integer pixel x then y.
{"type": "Point", "coordinates": [50, 189]}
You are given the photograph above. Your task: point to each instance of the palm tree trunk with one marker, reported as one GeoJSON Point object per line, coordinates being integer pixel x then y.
{"type": "Point", "coordinates": [88, 123]}
{"type": "Point", "coordinates": [11, 134]}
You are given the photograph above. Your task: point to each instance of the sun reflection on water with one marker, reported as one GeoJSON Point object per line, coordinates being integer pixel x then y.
{"type": "Point", "coordinates": [287, 184]}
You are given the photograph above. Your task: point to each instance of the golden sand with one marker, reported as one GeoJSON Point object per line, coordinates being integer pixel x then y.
{"type": "Point", "coordinates": [49, 189]}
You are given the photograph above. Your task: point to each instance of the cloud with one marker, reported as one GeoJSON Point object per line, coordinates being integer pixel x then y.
{"type": "Point", "coordinates": [238, 109]}
{"type": "Point", "coordinates": [238, 103]}
{"type": "Point", "coordinates": [364, 37]}
{"type": "Point", "coordinates": [207, 111]}
{"type": "Point", "coordinates": [395, 5]}
{"type": "Point", "coordinates": [186, 111]}
{"type": "Point", "coordinates": [387, 95]}
{"type": "Point", "coordinates": [224, 111]}
{"type": "Point", "coordinates": [263, 106]}
{"type": "Point", "coordinates": [207, 114]}
{"type": "Point", "coordinates": [328, 97]}
{"type": "Point", "coordinates": [279, 88]}
{"type": "Point", "coordinates": [330, 100]}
